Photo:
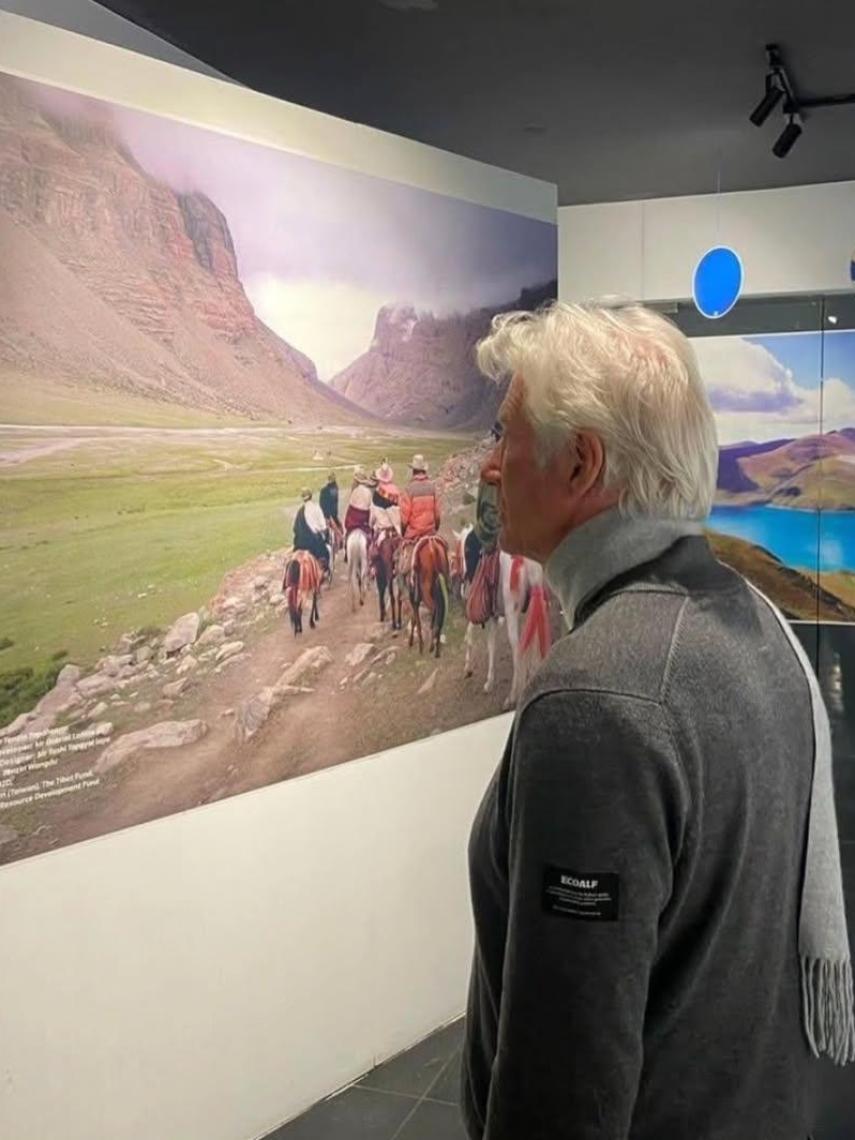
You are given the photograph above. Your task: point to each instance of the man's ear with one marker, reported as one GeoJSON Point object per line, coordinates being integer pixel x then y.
{"type": "Point", "coordinates": [588, 462]}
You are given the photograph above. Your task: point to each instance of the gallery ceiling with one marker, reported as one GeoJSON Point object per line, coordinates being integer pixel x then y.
{"type": "Point", "coordinates": [612, 101]}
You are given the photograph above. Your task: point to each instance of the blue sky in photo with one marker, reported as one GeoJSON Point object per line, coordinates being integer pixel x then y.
{"type": "Point", "coordinates": [802, 354]}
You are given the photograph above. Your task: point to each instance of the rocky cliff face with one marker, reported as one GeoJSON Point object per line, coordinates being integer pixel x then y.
{"type": "Point", "coordinates": [113, 279]}
{"type": "Point", "coordinates": [420, 369]}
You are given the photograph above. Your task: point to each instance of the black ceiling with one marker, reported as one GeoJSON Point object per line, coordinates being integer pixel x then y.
{"type": "Point", "coordinates": [611, 100]}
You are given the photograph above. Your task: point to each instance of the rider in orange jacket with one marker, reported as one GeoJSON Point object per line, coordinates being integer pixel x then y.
{"type": "Point", "coordinates": [420, 507]}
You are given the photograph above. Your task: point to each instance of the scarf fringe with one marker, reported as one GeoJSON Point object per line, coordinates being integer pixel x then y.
{"type": "Point", "coordinates": [829, 1008]}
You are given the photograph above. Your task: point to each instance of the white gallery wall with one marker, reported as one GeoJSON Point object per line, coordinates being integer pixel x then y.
{"type": "Point", "coordinates": [795, 240]}
{"type": "Point", "coordinates": [93, 20]}
{"type": "Point", "coordinates": [210, 975]}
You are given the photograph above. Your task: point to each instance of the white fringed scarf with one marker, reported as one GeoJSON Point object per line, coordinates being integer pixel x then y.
{"type": "Point", "coordinates": [828, 1008]}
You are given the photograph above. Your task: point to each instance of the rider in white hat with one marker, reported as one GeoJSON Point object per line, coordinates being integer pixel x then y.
{"type": "Point", "coordinates": [420, 507]}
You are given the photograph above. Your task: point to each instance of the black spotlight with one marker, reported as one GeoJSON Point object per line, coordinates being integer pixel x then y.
{"type": "Point", "coordinates": [774, 95]}
{"type": "Point", "coordinates": [787, 139]}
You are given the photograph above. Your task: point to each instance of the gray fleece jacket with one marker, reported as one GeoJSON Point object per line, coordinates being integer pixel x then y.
{"type": "Point", "coordinates": [636, 867]}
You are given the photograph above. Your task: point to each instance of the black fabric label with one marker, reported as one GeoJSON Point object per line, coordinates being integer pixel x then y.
{"type": "Point", "coordinates": [590, 895]}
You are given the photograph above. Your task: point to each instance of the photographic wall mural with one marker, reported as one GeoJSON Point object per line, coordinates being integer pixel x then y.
{"type": "Point", "coordinates": [197, 333]}
{"type": "Point", "coordinates": [781, 377]}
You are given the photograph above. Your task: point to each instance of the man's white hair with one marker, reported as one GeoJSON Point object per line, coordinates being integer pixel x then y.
{"type": "Point", "coordinates": [626, 374]}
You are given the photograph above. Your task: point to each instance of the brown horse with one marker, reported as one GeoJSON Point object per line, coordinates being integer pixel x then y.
{"type": "Point", "coordinates": [303, 576]}
{"type": "Point", "coordinates": [385, 556]}
{"type": "Point", "coordinates": [426, 575]}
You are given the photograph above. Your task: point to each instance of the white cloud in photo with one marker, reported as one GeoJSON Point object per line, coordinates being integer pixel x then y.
{"type": "Point", "coordinates": [331, 322]}
{"type": "Point", "coordinates": [756, 398]}
{"type": "Point", "coordinates": [838, 405]}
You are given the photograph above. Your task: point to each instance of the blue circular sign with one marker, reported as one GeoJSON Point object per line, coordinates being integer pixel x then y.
{"type": "Point", "coordinates": [718, 282]}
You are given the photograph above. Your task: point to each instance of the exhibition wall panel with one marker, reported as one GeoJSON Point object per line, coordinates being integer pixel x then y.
{"type": "Point", "coordinates": [212, 349]}
{"type": "Point", "coordinates": [797, 240]}
{"type": "Point", "coordinates": [89, 18]}
{"type": "Point", "coordinates": [211, 973]}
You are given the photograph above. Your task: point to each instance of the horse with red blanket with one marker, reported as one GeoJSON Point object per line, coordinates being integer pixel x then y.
{"type": "Point", "coordinates": [423, 573]}
{"type": "Point", "coordinates": [498, 586]}
{"type": "Point", "coordinates": [303, 578]}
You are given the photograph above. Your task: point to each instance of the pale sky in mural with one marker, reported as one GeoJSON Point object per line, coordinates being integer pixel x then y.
{"type": "Point", "coordinates": [764, 388]}
{"type": "Point", "coordinates": [320, 248]}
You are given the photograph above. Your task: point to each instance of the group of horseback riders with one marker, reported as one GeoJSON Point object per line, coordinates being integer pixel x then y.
{"type": "Point", "coordinates": [375, 506]}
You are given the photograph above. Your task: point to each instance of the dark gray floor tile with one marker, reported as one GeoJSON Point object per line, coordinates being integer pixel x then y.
{"type": "Point", "coordinates": [447, 1087]}
{"type": "Point", "coordinates": [433, 1121]}
{"type": "Point", "coordinates": [451, 1037]}
{"type": "Point", "coordinates": [413, 1073]}
{"type": "Point", "coordinates": [355, 1114]}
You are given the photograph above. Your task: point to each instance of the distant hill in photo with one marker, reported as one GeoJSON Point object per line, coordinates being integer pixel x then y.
{"type": "Point", "coordinates": [811, 472]}
{"type": "Point", "coordinates": [420, 369]}
{"type": "Point", "coordinates": [114, 283]}
{"type": "Point", "coordinates": [795, 592]}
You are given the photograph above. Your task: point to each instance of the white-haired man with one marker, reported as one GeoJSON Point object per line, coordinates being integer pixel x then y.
{"type": "Point", "coordinates": [660, 936]}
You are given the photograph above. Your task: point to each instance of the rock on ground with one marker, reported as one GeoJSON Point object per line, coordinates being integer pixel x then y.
{"type": "Point", "coordinates": [183, 632]}
{"type": "Point", "coordinates": [213, 635]}
{"type": "Point", "coordinates": [229, 650]}
{"type": "Point", "coordinates": [18, 725]}
{"type": "Point", "coordinates": [358, 654]}
{"type": "Point", "coordinates": [60, 699]}
{"type": "Point", "coordinates": [430, 684]}
{"type": "Point", "coordinates": [96, 685]}
{"type": "Point", "coordinates": [69, 675]}
{"type": "Point", "coordinates": [308, 664]}
{"type": "Point", "coordinates": [253, 713]}
{"type": "Point", "coordinates": [167, 734]}
{"type": "Point", "coordinates": [187, 666]}
{"type": "Point", "coordinates": [175, 688]}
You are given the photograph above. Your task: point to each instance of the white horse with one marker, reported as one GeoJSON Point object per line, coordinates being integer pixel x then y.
{"type": "Point", "coordinates": [520, 584]}
{"type": "Point", "coordinates": [357, 564]}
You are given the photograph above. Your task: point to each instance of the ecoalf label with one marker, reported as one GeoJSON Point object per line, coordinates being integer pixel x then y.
{"type": "Point", "coordinates": [590, 895]}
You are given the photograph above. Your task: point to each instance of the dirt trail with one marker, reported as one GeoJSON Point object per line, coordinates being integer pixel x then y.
{"type": "Point", "coordinates": [353, 711]}
{"type": "Point", "coordinates": [14, 457]}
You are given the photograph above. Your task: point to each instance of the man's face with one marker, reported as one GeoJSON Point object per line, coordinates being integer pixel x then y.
{"type": "Point", "coordinates": [530, 500]}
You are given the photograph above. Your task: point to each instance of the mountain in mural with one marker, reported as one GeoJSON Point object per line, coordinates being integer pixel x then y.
{"type": "Point", "coordinates": [797, 593]}
{"type": "Point", "coordinates": [420, 369]}
{"type": "Point", "coordinates": [114, 282]}
{"type": "Point", "coordinates": [813, 471]}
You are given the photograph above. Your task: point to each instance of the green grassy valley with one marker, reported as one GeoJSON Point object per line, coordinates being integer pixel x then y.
{"type": "Point", "coordinates": [105, 532]}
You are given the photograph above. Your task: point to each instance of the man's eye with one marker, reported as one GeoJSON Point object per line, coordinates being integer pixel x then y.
{"type": "Point", "coordinates": [497, 431]}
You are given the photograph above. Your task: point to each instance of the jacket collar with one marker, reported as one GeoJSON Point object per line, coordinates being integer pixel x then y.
{"type": "Point", "coordinates": [604, 548]}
